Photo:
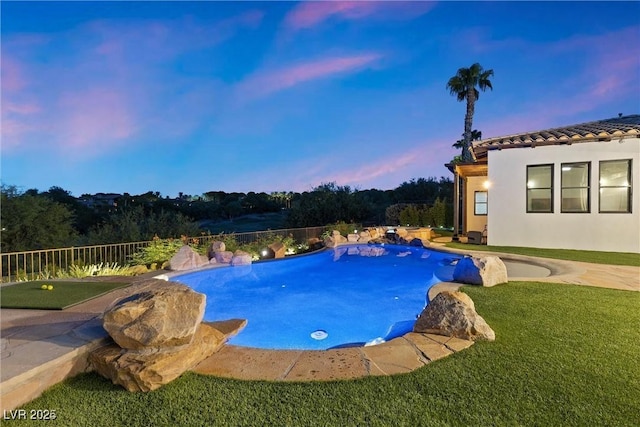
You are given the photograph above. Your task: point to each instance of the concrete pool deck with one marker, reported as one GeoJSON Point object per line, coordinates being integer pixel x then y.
{"type": "Point", "coordinates": [40, 348]}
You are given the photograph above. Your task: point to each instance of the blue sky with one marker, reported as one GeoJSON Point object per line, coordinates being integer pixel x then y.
{"type": "Point", "coordinates": [283, 96]}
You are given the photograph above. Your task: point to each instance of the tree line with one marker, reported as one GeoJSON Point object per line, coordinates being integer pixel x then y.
{"type": "Point", "coordinates": [34, 219]}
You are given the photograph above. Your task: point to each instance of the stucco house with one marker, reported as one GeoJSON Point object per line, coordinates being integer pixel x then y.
{"type": "Point", "coordinates": [574, 187]}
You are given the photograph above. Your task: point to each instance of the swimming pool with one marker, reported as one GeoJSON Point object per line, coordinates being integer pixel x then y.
{"type": "Point", "coordinates": [350, 295]}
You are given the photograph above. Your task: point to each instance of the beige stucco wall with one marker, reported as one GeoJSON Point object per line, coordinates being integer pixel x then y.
{"type": "Point", "coordinates": [474, 222]}
{"type": "Point", "coordinates": [510, 224]}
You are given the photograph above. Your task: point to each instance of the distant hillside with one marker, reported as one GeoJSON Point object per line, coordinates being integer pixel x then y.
{"type": "Point", "coordinates": [245, 223]}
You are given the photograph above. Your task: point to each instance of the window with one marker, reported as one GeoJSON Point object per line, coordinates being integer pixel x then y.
{"type": "Point", "coordinates": [480, 199]}
{"type": "Point", "coordinates": [615, 186]}
{"type": "Point", "coordinates": [540, 188]}
{"type": "Point", "coordinates": [575, 179]}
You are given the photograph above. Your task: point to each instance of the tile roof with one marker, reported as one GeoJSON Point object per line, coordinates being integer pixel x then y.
{"type": "Point", "coordinates": [600, 130]}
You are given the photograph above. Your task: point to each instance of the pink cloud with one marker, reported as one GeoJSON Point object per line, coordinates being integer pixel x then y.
{"type": "Point", "coordinates": [387, 165]}
{"type": "Point", "coordinates": [383, 169]}
{"type": "Point", "coordinates": [162, 40]}
{"type": "Point", "coordinates": [106, 86]}
{"type": "Point", "coordinates": [20, 108]}
{"type": "Point", "coordinates": [94, 117]}
{"type": "Point", "coordinates": [309, 14]}
{"type": "Point", "coordinates": [264, 83]}
{"type": "Point", "coordinates": [13, 77]}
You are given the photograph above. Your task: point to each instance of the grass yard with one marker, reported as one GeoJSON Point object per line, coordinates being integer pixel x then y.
{"type": "Point", "coordinates": [564, 356]}
{"type": "Point", "coordinates": [64, 294]}
{"type": "Point", "coordinates": [596, 257]}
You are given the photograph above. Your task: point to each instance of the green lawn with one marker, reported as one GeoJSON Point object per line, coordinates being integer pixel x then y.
{"type": "Point", "coordinates": [564, 356]}
{"type": "Point", "coordinates": [612, 258]}
{"type": "Point", "coordinates": [64, 294]}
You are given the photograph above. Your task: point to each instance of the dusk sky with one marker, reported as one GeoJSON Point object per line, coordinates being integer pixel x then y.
{"type": "Point", "coordinates": [284, 96]}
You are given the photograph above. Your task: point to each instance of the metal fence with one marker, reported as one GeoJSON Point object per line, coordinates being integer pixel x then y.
{"type": "Point", "coordinates": [31, 265]}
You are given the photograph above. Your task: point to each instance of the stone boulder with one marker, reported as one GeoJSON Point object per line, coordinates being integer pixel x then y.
{"type": "Point", "coordinates": [335, 239]}
{"type": "Point", "coordinates": [483, 271]}
{"type": "Point", "coordinates": [402, 232]}
{"type": "Point", "coordinates": [241, 258]}
{"type": "Point", "coordinates": [223, 257]}
{"type": "Point", "coordinates": [352, 237]}
{"type": "Point", "coordinates": [148, 370]}
{"type": "Point", "coordinates": [364, 236]}
{"type": "Point", "coordinates": [453, 314]}
{"type": "Point", "coordinates": [214, 247]}
{"type": "Point", "coordinates": [423, 233]}
{"type": "Point", "coordinates": [187, 259]}
{"type": "Point", "coordinates": [278, 249]}
{"type": "Point", "coordinates": [374, 233]}
{"type": "Point", "coordinates": [165, 316]}
{"type": "Point", "coordinates": [416, 242]}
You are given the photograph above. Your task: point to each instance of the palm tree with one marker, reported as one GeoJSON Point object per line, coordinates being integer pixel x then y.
{"type": "Point", "coordinates": [464, 85]}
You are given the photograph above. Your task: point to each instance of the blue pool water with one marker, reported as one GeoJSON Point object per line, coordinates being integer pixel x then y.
{"type": "Point", "coordinates": [340, 297]}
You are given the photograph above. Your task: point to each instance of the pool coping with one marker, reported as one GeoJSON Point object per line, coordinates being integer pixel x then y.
{"type": "Point", "coordinates": [41, 348]}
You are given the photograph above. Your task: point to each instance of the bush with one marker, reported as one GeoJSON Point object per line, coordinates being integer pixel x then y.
{"type": "Point", "coordinates": [158, 252]}
{"type": "Point", "coordinates": [101, 269]}
{"type": "Point", "coordinates": [343, 228]}
{"type": "Point", "coordinates": [420, 215]}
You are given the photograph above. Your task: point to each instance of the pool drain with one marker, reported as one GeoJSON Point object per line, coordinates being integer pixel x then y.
{"type": "Point", "coordinates": [319, 334]}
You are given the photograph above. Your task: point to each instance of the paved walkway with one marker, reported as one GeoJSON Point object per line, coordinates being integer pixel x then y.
{"type": "Point", "coordinates": [40, 348]}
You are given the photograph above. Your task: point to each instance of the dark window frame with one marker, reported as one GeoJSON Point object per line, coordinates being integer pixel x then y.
{"type": "Point", "coordinates": [551, 196]}
{"type": "Point", "coordinates": [629, 186]}
{"type": "Point", "coordinates": [476, 203]}
{"type": "Point", "coordinates": [587, 187]}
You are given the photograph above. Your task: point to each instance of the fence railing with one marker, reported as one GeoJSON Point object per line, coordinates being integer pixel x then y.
{"type": "Point", "coordinates": [30, 265]}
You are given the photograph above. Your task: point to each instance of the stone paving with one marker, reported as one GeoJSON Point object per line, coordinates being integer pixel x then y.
{"type": "Point", "coordinates": [40, 348]}
{"type": "Point", "coordinates": [398, 356]}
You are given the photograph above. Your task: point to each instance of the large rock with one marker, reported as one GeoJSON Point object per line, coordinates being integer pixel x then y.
{"type": "Point", "coordinates": [484, 271]}
{"type": "Point", "coordinates": [187, 259]}
{"type": "Point", "coordinates": [401, 232]}
{"type": "Point", "coordinates": [352, 237]}
{"type": "Point", "coordinates": [374, 233]}
{"type": "Point", "coordinates": [241, 258]}
{"type": "Point", "coordinates": [453, 314]}
{"type": "Point", "coordinates": [364, 236]}
{"type": "Point", "coordinates": [165, 316]}
{"type": "Point", "coordinates": [223, 257]}
{"type": "Point", "coordinates": [214, 247]}
{"type": "Point", "coordinates": [334, 240]}
{"type": "Point", "coordinates": [416, 242]}
{"type": "Point", "coordinates": [146, 371]}
{"type": "Point", "coordinates": [423, 233]}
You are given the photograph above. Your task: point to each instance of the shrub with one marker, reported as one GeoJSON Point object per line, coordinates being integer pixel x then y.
{"type": "Point", "coordinates": [158, 252]}
{"type": "Point", "coordinates": [102, 269]}
{"type": "Point", "coordinates": [343, 228]}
